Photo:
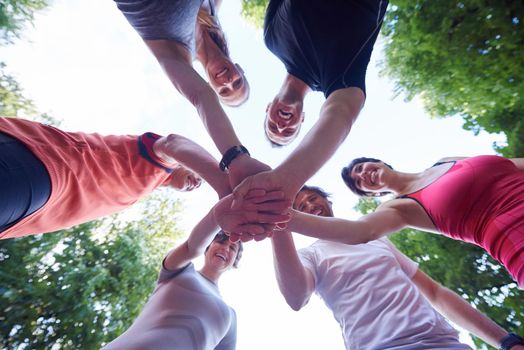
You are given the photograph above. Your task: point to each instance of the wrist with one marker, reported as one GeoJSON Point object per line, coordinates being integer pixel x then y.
{"type": "Point", "coordinates": [238, 162]}
{"type": "Point", "coordinates": [232, 155]}
{"type": "Point", "coordinates": [291, 181]}
{"type": "Point", "coordinates": [510, 340]}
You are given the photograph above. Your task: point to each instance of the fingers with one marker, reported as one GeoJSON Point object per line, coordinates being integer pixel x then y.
{"type": "Point", "coordinates": [255, 193]}
{"type": "Point", "coordinates": [280, 206]}
{"type": "Point", "coordinates": [263, 197]}
{"type": "Point", "coordinates": [250, 229]}
{"type": "Point", "coordinates": [240, 191]}
{"type": "Point", "coordinates": [271, 218]}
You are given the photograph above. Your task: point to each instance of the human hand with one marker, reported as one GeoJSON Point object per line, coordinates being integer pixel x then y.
{"type": "Point", "coordinates": [258, 214]}
{"type": "Point", "coordinates": [244, 166]}
{"type": "Point", "coordinates": [271, 180]}
{"type": "Point", "coordinates": [184, 180]}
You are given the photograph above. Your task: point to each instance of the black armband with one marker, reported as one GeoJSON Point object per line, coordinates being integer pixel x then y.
{"type": "Point", "coordinates": [231, 154]}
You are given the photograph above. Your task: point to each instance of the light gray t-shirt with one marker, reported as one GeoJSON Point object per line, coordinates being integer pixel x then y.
{"type": "Point", "coordinates": [165, 19]}
{"type": "Point", "coordinates": [185, 312]}
{"type": "Point", "coordinates": [368, 288]}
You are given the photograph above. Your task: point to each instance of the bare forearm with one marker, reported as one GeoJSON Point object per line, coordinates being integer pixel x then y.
{"type": "Point", "coordinates": [195, 245]}
{"type": "Point", "coordinates": [216, 121]}
{"type": "Point", "coordinates": [196, 158]}
{"type": "Point", "coordinates": [336, 118]}
{"type": "Point", "coordinates": [202, 234]}
{"type": "Point", "coordinates": [289, 270]}
{"type": "Point", "coordinates": [176, 62]}
{"type": "Point", "coordinates": [330, 228]}
{"type": "Point", "coordinates": [457, 310]}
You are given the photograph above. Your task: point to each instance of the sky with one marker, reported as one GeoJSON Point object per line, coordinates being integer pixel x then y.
{"type": "Point", "coordinates": [83, 64]}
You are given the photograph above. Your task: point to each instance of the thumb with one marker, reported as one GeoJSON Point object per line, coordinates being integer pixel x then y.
{"type": "Point", "coordinates": [240, 192]}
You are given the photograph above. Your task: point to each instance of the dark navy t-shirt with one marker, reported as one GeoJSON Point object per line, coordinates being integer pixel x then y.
{"type": "Point", "coordinates": [325, 43]}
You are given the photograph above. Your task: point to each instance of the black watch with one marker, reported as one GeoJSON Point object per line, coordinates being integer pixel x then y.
{"type": "Point", "coordinates": [231, 154]}
{"type": "Point", "coordinates": [510, 340]}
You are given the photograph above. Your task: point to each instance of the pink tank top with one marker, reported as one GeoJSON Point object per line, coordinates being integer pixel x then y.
{"type": "Point", "coordinates": [480, 200]}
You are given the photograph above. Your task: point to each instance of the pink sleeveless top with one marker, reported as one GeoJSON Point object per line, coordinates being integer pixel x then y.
{"type": "Point", "coordinates": [480, 200]}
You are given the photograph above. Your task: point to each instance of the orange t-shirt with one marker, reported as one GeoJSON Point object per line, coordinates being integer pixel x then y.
{"type": "Point", "coordinates": [91, 175]}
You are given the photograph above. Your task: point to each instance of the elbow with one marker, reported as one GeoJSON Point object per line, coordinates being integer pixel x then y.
{"type": "Point", "coordinates": [295, 303]}
{"type": "Point", "coordinates": [296, 300]}
{"type": "Point", "coordinates": [343, 114]}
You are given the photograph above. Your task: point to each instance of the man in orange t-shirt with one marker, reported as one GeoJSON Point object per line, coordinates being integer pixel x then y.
{"type": "Point", "coordinates": [51, 179]}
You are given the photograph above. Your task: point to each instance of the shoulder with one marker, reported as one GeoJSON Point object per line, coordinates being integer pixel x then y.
{"type": "Point", "coordinates": [448, 160]}
{"type": "Point", "coordinates": [166, 275]}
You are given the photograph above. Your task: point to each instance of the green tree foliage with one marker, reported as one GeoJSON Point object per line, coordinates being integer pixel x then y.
{"type": "Point", "coordinates": [12, 100]}
{"type": "Point", "coordinates": [254, 11]}
{"type": "Point", "coordinates": [462, 57]}
{"type": "Point", "coordinates": [82, 287]}
{"type": "Point", "coordinates": [15, 14]}
{"type": "Point", "coordinates": [464, 268]}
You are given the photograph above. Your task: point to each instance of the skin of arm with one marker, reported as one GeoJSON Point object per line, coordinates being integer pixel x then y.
{"type": "Point", "coordinates": [457, 310]}
{"type": "Point", "coordinates": [296, 283]}
{"type": "Point", "coordinates": [175, 148]}
{"type": "Point", "coordinates": [261, 207]}
{"type": "Point", "coordinates": [176, 63]}
{"type": "Point", "coordinates": [519, 163]}
{"type": "Point", "coordinates": [369, 227]}
{"type": "Point", "coordinates": [337, 115]}
{"type": "Point", "coordinates": [201, 236]}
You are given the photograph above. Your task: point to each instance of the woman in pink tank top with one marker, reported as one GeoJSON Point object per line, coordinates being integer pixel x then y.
{"type": "Point", "coordinates": [479, 200]}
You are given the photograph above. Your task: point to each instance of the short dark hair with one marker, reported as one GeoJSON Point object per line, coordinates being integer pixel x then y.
{"type": "Point", "coordinates": [221, 237]}
{"type": "Point", "coordinates": [316, 190]}
{"type": "Point", "coordinates": [350, 183]}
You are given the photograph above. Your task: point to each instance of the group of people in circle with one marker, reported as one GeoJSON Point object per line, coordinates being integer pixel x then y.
{"type": "Point", "coordinates": [51, 179]}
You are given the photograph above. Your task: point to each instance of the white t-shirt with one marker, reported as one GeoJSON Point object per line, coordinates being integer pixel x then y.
{"type": "Point", "coordinates": [368, 288]}
{"type": "Point", "coordinates": [185, 312]}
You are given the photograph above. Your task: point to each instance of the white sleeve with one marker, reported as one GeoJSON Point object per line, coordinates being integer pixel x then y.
{"type": "Point", "coordinates": [308, 258]}
{"type": "Point", "coordinates": [407, 265]}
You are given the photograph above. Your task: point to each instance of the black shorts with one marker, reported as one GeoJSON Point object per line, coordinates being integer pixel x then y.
{"type": "Point", "coordinates": [25, 185]}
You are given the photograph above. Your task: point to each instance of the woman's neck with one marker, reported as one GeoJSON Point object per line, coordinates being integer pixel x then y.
{"type": "Point", "coordinates": [406, 183]}
{"type": "Point", "coordinates": [210, 274]}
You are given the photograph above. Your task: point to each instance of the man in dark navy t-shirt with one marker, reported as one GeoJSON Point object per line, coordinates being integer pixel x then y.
{"type": "Point", "coordinates": [325, 46]}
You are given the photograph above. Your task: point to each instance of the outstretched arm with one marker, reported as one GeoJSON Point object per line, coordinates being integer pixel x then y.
{"type": "Point", "coordinates": [367, 228]}
{"type": "Point", "coordinates": [337, 115]}
{"type": "Point", "coordinates": [176, 148]}
{"type": "Point", "coordinates": [296, 282]}
{"type": "Point", "coordinates": [260, 208]}
{"type": "Point", "coordinates": [457, 310]}
{"type": "Point", "coordinates": [176, 63]}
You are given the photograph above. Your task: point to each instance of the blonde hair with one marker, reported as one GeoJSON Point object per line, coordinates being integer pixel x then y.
{"type": "Point", "coordinates": [207, 22]}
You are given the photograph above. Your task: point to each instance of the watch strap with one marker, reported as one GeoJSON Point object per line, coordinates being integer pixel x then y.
{"type": "Point", "coordinates": [510, 340]}
{"type": "Point", "coordinates": [230, 155]}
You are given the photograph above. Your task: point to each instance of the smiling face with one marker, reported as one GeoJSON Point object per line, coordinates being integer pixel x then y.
{"type": "Point", "coordinates": [228, 81]}
{"type": "Point", "coordinates": [369, 176]}
{"type": "Point", "coordinates": [283, 121]}
{"type": "Point", "coordinates": [222, 254]}
{"type": "Point", "coordinates": [310, 202]}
